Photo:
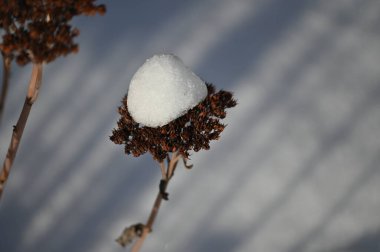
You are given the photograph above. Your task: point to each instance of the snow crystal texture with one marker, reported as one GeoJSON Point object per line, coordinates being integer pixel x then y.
{"type": "Point", "coordinates": [163, 89]}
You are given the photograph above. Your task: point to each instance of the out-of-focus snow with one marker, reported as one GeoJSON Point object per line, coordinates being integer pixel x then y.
{"type": "Point", "coordinates": [163, 89]}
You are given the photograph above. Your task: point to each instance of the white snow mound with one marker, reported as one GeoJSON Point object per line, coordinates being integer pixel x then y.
{"type": "Point", "coordinates": [163, 89]}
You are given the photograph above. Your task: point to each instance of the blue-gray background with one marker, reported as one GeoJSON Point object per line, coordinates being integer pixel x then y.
{"type": "Point", "coordinates": [297, 168]}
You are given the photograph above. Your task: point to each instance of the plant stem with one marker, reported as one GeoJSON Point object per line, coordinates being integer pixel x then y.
{"type": "Point", "coordinates": [18, 129]}
{"type": "Point", "coordinates": [157, 203]}
{"type": "Point", "coordinates": [4, 89]}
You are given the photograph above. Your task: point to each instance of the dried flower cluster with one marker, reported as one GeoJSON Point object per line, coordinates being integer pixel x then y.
{"type": "Point", "coordinates": [38, 30]}
{"type": "Point", "coordinates": [192, 131]}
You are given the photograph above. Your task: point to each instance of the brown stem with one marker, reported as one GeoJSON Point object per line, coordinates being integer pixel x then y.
{"type": "Point", "coordinates": [154, 211]}
{"type": "Point", "coordinates": [18, 129]}
{"type": "Point", "coordinates": [4, 89]}
{"type": "Point", "coordinates": [163, 170]}
{"type": "Point", "coordinates": [173, 164]}
{"type": "Point", "coordinates": [157, 203]}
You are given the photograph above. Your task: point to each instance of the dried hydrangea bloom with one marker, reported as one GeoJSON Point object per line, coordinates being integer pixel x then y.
{"type": "Point", "coordinates": [38, 31]}
{"type": "Point", "coordinates": [192, 131]}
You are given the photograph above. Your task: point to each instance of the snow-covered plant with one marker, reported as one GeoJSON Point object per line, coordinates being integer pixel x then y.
{"type": "Point", "coordinates": [168, 112]}
{"type": "Point", "coordinates": [36, 31]}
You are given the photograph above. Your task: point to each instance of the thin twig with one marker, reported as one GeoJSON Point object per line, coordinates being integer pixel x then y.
{"type": "Point", "coordinates": [172, 164]}
{"type": "Point", "coordinates": [157, 203]}
{"type": "Point", "coordinates": [163, 172]}
{"type": "Point", "coordinates": [18, 129]}
{"type": "Point", "coordinates": [148, 227]}
{"type": "Point", "coordinates": [138, 244]}
{"type": "Point", "coordinates": [5, 83]}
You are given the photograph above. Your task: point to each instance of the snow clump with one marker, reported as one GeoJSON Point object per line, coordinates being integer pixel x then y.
{"type": "Point", "coordinates": [163, 89]}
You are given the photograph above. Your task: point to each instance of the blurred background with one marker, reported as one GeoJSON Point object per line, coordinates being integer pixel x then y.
{"type": "Point", "coordinates": [297, 168]}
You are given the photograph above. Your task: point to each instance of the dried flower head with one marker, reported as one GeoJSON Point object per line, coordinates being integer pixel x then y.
{"type": "Point", "coordinates": [39, 30]}
{"type": "Point", "coordinates": [192, 131]}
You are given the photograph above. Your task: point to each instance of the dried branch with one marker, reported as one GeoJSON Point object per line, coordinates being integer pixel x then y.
{"type": "Point", "coordinates": [5, 82]}
{"type": "Point", "coordinates": [167, 174]}
{"type": "Point", "coordinates": [18, 129]}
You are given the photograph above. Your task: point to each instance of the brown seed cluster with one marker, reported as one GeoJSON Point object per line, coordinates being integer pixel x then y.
{"type": "Point", "coordinates": [192, 131]}
{"type": "Point", "coordinates": [39, 30]}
